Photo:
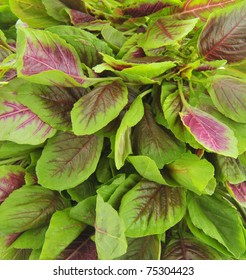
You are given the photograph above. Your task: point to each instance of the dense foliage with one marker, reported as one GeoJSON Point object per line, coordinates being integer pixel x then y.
{"type": "Point", "coordinates": [122, 129]}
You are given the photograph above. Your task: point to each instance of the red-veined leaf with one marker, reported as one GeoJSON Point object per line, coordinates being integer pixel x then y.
{"type": "Point", "coordinates": [96, 109]}
{"type": "Point", "coordinates": [229, 96]}
{"type": "Point", "coordinates": [144, 9]}
{"type": "Point", "coordinates": [150, 208]}
{"type": "Point", "coordinates": [82, 248]}
{"type": "Point", "coordinates": [143, 248]}
{"type": "Point", "coordinates": [155, 142]}
{"type": "Point", "coordinates": [165, 31]}
{"type": "Point", "coordinates": [239, 192]}
{"type": "Point", "coordinates": [201, 8]}
{"type": "Point", "coordinates": [18, 123]}
{"type": "Point", "coordinates": [29, 207]}
{"type": "Point", "coordinates": [45, 58]}
{"type": "Point", "coordinates": [78, 17]}
{"type": "Point", "coordinates": [188, 248]}
{"type": "Point", "coordinates": [11, 178]}
{"type": "Point", "coordinates": [212, 134]}
{"type": "Point", "coordinates": [52, 104]}
{"type": "Point", "coordinates": [224, 35]}
{"type": "Point", "coordinates": [68, 160]}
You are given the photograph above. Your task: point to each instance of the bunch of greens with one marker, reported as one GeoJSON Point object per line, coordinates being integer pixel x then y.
{"type": "Point", "coordinates": [122, 129]}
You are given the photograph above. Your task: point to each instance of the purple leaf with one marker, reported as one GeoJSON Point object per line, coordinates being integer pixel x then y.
{"type": "Point", "coordinates": [39, 51]}
{"type": "Point", "coordinates": [209, 132]}
{"type": "Point", "coordinates": [11, 178]}
{"type": "Point", "coordinates": [80, 249]}
{"type": "Point", "coordinates": [239, 192]}
{"type": "Point", "coordinates": [224, 35]}
{"type": "Point", "coordinates": [144, 9]}
{"type": "Point", "coordinates": [78, 17]}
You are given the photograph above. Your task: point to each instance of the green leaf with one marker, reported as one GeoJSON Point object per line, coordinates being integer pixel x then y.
{"type": "Point", "coordinates": [107, 189]}
{"type": "Point", "coordinates": [143, 248]}
{"type": "Point", "coordinates": [191, 172]}
{"type": "Point", "coordinates": [70, 160]}
{"type": "Point", "coordinates": [52, 104]}
{"type": "Point", "coordinates": [85, 211]}
{"type": "Point", "coordinates": [153, 141]}
{"type": "Point", "coordinates": [83, 190]}
{"type": "Point", "coordinates": [113, 37]}
{"type": "Point", "coordinates": [188, 248]}
{"type": "Point", "coordinates": [40, 202]}
{"type": "Point", "coordinates": [109, 237]}
{"type": "Point", "coordinates": [57, 10]}
{"type": "Point", "coordinates": [10, 149]}
{"type": "Point", "coordinates": [103, 172]}
{"type": "Point", "coordinates": [61, 232]}
{"type": "Point", "coordinates": [171, 107]}
{"type": "Point", "coordinates": [165, 31]}
{"type": "Point", "coordinates": [229, 97]}
{"type": "Point", "coordinates": [229, 169]}
{"type": "Point", "coordinates": [32, 12]}
{"type": "Point", "coordinates": [147, 168]}
{"type": "Point", "coordinates": [219, 220]}
{"type": "Point", "coordinates": [151, 208]}
{"type": "Point", "coordinates": [149, 70]}
{"type": "Point", "coordinates": [123, 188]}
{"type": "Point", "coordinates": [206, 239]}
{"type": "Point", "coordinates": [31, 239]}
{"type": "Point", "coordinates": [122, 145]}
{"type": "Point", "coordinates": [15, 254]}
{"type": "Point", "coordinates": [97, 108]}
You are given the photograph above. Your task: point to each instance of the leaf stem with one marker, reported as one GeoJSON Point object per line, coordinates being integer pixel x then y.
{"type": "Point", "coordinates": [145, 92]}
{"type": "Point", "coordinates": [181, 94]}
{"type": "Point", "coordinates": [11, 160]}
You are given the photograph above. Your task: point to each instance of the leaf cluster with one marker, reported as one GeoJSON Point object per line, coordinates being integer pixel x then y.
{"type": "Point", "coordinates": [122, 129]}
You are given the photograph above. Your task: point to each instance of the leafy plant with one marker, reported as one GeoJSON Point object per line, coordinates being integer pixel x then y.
{"type": "Point", "coordinates": [122, 129]}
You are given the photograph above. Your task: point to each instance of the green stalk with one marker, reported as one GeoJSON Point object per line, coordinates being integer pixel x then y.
{"type": "Point", "coordinates": [11, 160]}
{"type": "Point", "coordinates": [145, 92]}
{"type": "Point", "coordinates": [181, 94]}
